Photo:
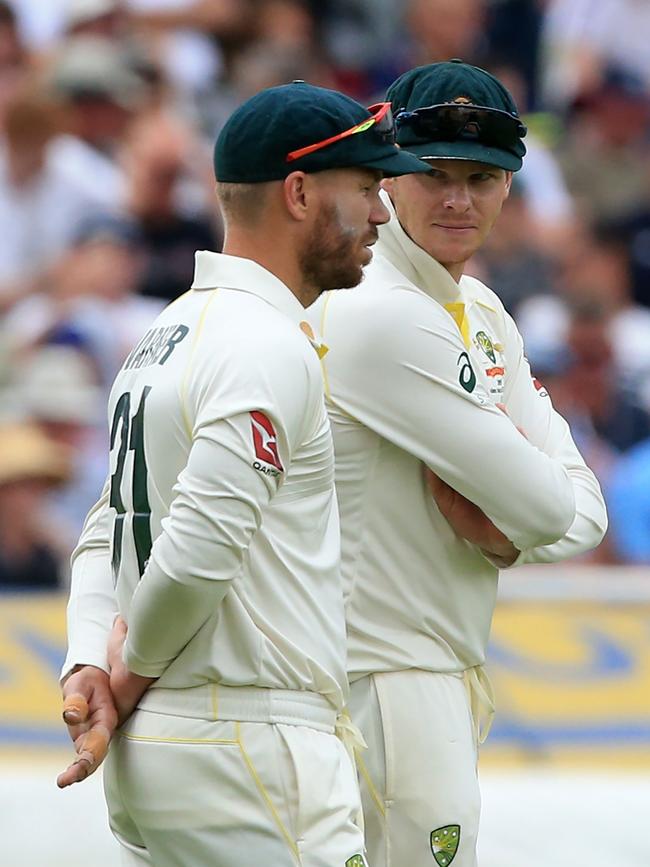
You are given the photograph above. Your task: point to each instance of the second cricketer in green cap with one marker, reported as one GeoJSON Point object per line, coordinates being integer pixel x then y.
{"type": "Point", "coordinates": [453, 110]}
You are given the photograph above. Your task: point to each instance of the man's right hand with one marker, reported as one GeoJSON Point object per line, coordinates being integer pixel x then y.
{"type": "Point", "coordinates": [90, 715]}
{"type": "Point", "coordinates": [127, 688]}
{"type": "Point", "coordinates": [469, 522]}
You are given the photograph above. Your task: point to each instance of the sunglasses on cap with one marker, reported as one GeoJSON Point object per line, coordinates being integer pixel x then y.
{"type": "Point", "coordinates": [449, 121]}
{"type": "Point", "coordinates": [381, 122]}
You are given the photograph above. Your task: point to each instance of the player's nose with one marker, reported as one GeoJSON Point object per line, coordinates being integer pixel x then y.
{"type": "Point", "coordinates": [379, 213]}
{"type": "Point", "coordinates": [457, 197]}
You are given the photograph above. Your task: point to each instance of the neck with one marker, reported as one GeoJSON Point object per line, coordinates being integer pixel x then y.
{"type": "Point", "coordinates": [274, 255]}
{"type": "Point", "coordinates": [456, 270]}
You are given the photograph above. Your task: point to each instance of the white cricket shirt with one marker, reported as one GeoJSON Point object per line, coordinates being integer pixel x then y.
{"type": "Point", "coordinates": [409, 382]}
{"type": "Point", "coordinates": [221, 480]}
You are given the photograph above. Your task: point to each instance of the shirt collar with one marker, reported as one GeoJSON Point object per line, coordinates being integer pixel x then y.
{"type": "Point", "coordinates": [218, 270]}
{"type": "Point", "coordinates": [412, 261]}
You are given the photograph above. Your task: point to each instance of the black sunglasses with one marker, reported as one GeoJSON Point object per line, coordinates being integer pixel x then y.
{"type": "Point", "coordinates": [449, 121]}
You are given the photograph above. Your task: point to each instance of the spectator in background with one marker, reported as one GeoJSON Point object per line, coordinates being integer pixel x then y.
{"type": "Point", "coordinates": [160, 157]}
{"type": "Point", "coordinates": [633, 228]}
{"type": "Point", "coordinates": [91, 301]}
{"type": "Point", "coordinates": [551, 211]}
{"type": "Point", "coordinates": [628, 499]}
{"type": "Point", "coordinates": [42, 198]}
{"type": "Point", "coordinates": [56, 388]}
{"type": "Point", "coordinates": [30, 465]}
{"type": "Point", "coordinates": [100, 96]}
{"type": "Point", "coordinates": [442, 29]}
{"type": "Point", "coordinates": [230, 24]}
{"type": "Point", "coordinates": [513, 32]}
{"type": "Point", "coordinates": [366, 43]}
{"type": "Point", "coordinates": [595, 391]}
{"type": "Point", "coordinates": [605, 152]}
{"type": "Point", "coordinates": [262, 65]}
{"type": "Point", "coordinates": [15, 63]}
{"type": "Point", "coordinates": [103, 18]}
{"type": "Point", "coordinates": [593, 271]}
{"type": "Point", "coordinates": [89, 22]}
{"type": "Point", "coordinates": [582, 38]}
{"type": "Point", "coordinates": [603, 417]}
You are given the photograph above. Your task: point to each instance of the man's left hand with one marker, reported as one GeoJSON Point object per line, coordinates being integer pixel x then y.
{"type": "Point", "coordinates": [91, 717]}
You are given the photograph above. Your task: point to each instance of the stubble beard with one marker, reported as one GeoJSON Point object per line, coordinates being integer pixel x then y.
{"type": "Point", "coordinates": [329, 258]}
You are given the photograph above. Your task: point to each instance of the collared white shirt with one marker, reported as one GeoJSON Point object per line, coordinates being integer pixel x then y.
{"type": "Point", "coordinates": [414, 368]}
{"type": "Point", "coordinates": [221, 479]}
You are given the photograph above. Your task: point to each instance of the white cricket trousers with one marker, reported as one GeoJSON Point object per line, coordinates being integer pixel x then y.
{"type": "Point", "coordinates": [419, 784]}
{"type": "Point", "coordinates": [218, 776]}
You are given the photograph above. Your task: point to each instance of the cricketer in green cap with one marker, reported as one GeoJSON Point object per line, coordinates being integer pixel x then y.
{"type": "Point", "coordinates": [300, 127]}
{"type": "Point", "coordinates": [422, 359]}
{"type": "Point", "coordinates": [457, 111]}
{"type": "Point", "coordinates": [298, 169]}
{"type": "Point", "coordinates": [464, 124]}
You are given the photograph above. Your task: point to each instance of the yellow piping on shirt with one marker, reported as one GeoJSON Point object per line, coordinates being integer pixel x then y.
{"type": "Point", "coordinates": [326, 384]}
{"type": "Point", "coordinates": [265, 795]}
{"type": "Point", "coordinates": [323, 367]}
{"type": "Point", "coordinates": [199, 329]}
{"type": "Point", "coordinates": [487, 306]}
{"type": "Point", "coordinates": [176, 300]}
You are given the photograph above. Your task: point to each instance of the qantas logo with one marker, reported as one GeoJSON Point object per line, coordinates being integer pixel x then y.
{"type": "Point", "coordinates": [540, 388]}
{"type": "Point", "coordinates": [265, 441]}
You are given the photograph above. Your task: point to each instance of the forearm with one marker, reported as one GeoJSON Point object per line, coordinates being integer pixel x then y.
{"type": "Point", "coordinates": [529, 406]}
{"type": "Point", "coordinates": [92, 605]}
{"type": "Point", "coordinates": [216, 511]}
{"type": "Point", "coordinates": [165, 615]}
{"type": "Point", "coordinates": [587, 530]}
{"type": "Point", "coordinates": [91, 611]}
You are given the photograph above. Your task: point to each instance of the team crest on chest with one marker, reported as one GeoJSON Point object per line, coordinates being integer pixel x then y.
{"type": "Point", "coordinates": [485, 343]}
{"type": "Point", "coordinates": [356, 861]}
{"type": "Point", "coordinates": [493, 370]}
{"type": "Point", "coordinates": [444, 844]}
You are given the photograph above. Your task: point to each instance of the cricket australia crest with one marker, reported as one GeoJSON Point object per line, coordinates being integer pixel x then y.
{"type": "Point", "coordinates": [356, 861]}
{"type": "Point", "coordinates": [444, 844]}
{"type": "Point", "coordinates": [486, 345]}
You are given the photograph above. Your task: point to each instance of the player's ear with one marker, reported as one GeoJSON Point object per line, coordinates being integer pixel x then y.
{"type": "Point", "coordinates": [296, 191]}
{"type": "Point", "coordinates": [388, 184]}
{"type": "Point", "coordinates": [509, 176]}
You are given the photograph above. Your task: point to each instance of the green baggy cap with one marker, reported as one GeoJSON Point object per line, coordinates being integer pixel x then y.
{"type": "Point", "coordinates": [454, 82]}
{"type": "Point", "coordinates": [253, 145]}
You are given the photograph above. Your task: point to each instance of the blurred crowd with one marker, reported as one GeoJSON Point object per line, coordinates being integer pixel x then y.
{"type": "Point", "coordinates": [108, 113]}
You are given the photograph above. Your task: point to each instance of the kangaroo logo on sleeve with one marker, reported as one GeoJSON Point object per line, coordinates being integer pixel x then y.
{"type": "Point", "coordinates": [265, 440]}
{"type": "Point", "coordinates": [539, 388]}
